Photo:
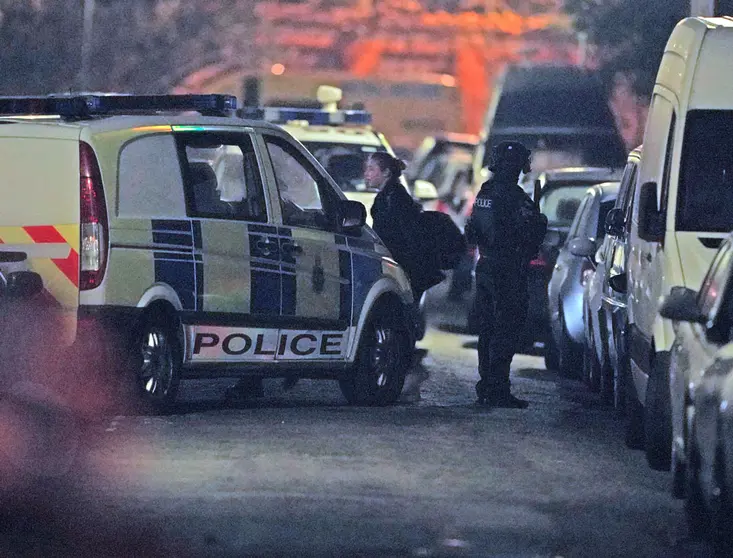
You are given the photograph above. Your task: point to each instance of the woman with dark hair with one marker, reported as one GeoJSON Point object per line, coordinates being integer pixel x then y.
{"type": "Point", "coordinates": [397, 221]}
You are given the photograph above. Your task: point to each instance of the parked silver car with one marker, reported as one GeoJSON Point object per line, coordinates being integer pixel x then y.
{"type": "Point", "coordinates": [573, 269]}
{"type": "Point", "coordinates": [605, 356]}
{"type": "Point", "coordinates": [703, 357]}
{"type": "Point", "coordinates": [703, 324]}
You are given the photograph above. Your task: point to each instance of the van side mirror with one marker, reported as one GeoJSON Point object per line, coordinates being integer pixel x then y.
{"type": "Point", "coordinates": [582, 247]}
{"type": "Point", "coordinates": [614, 224]}
{"type": "Point", "coordinates": [651, 219]}
{"type": "Point", "coordinates": [352, 215]}
{"type": "Point", "coordinates": [680, 305]}
{"type": "Point", "coordinates": [23, 284]}
{"type": "Point", "coordinates": [619, 283]}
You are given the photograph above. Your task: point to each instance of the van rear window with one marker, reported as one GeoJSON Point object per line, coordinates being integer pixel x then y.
{"type": "Point", "coordinates": [705, 199]}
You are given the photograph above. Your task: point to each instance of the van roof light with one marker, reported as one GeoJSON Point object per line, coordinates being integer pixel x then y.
{"type": "Point", "coordinates": [329, 97]}
{"type": "Point", "coordinates": [283, 115]}
{"type": "Point", "coordinates": [86, 106]}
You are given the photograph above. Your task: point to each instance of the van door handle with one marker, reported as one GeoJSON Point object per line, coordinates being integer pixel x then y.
{"type": "Point", "coordinates": [266, 247]}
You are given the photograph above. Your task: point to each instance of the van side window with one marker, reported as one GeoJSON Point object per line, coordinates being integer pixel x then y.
{"type": "Point", "coordinates": [222, 177]}
{"type": "Point", "coordinates": [304, 197]}
{"type": "Point", "coordinates": [150, 182]}
{"type": "Point", "coordinates": [705, 202]}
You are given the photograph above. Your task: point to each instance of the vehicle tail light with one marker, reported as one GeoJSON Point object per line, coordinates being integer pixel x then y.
{"type": "Point", "coordinates": [586, 271]}
{"type": "Point", "coordinates": [538, 262]}
{"type": "Point", "coordinates": [93, 220]}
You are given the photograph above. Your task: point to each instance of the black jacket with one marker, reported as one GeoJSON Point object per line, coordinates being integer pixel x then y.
{"type": "Point", "coordinates": [505, 224]}
{"type": "Point", "coordinates": [397, 220]}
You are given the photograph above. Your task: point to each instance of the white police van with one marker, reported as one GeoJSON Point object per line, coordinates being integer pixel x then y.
{"type": "Point", "coordinates": [197, 244]}
{"type": "Point", "coordinates": [341, 140]}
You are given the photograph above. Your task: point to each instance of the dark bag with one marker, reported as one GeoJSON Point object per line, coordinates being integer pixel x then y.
{"type": "Point", "coordinates": [445, 237]}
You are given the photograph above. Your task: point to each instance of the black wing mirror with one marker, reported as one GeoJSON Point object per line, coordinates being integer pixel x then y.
{"type": "Point", "coordinates": [23, 284]}
{"type": "Point", "coordinates": [680, 305]}
{"type": "Point", "coordinates": [614, 224]}
{"type": "Point", "coordinates": [582, 247]}
{"type": "Point", "coordinates": [651, 219]}
{"type": "Point", "coordinates": [619, 283]}
{"type": "Point", "coordinates": [352, 215]}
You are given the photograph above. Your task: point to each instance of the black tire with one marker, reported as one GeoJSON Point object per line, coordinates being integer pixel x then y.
{"type": "Point", "coordinates": [382, 360]}
{"type": "Point", "coordinates": [633, 412]}
{"type": "Point", "coordinates": [658, 416]}
{"type": "Point", "coordinates": [721, 520]}
{"type": "Point", "coordinates": [696, 513]}
{"type": "Point", "coordinates": [552, 355]}
{"type": "Point", "coordinates": [155, 364]}
{"type": "Point", "coordinates": [570, 353]}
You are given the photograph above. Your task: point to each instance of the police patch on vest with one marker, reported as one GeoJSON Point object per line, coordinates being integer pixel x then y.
{"type": "Point", "coordinates": [482, 203]}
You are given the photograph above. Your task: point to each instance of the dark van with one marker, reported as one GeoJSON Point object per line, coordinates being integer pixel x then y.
{"type": "Point", "coordinates": [561, 113]}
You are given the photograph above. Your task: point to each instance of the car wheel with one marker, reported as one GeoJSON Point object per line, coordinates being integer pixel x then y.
{"type": "Point", "coordinates": [590, 370]}
{"type": "Point", "coordinates": [569, 352]}
{"type": "Point", "coordinates": [381, 362]}
{"type": "Point", "coordinates": [721, 521]}
{"type": "Point", "coordinates": [633, 411]}
{"type": "Point", "coordinates": [552, 356]}
{"type": "Point", "coordinates": [698, 517]}
{"type": "Point", "coordinates": [658, 416]}
{"type": "Point", "coordinates": [156, 364]}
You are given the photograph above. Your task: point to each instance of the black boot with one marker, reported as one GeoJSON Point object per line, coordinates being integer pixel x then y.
{"type": "Point", "coordinates": [504, 400]}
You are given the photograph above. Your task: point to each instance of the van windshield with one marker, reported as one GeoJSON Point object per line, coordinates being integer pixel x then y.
{"type": "Point", "coordinates": [344, 162]}
{"type": "Point", "coordinates": [705, 200]}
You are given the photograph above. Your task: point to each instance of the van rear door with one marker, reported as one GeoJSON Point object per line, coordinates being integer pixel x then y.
{"type": "Point", "coordinates": [39, 213]}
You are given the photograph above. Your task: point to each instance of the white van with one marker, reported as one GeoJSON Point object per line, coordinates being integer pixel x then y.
{"type": "Point", "coordinates": [683, 208]}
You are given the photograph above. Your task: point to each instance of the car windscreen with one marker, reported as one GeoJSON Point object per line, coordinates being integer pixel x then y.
{"type": "Point", "coordinates": [344, 162]}
{"type": "Point", "coordinates": [561, 203]}
{"type": "Point", "coordinates": [705, 201]}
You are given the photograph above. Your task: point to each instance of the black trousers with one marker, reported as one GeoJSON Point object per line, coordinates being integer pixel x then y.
{"type": "Point", "coordinates": [501, 300]}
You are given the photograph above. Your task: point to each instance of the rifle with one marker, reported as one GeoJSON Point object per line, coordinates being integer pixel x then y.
{"type": "Point", "coordinates": [537, 190]}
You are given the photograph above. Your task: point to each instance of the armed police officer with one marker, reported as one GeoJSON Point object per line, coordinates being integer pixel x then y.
{"type": "Point", "coordinates": [508, 229]}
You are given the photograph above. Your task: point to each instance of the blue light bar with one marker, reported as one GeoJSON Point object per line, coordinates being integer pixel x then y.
{"type": "Point", "coordinates": [282, 115]}
{"type": "Point", "coordinates": [85, 106]}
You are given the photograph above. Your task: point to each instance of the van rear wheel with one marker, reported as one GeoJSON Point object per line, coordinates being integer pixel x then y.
{"type": "Point", "coordinates": [156, 364]}
{"type": "Point", "coordinates": [381, 363]}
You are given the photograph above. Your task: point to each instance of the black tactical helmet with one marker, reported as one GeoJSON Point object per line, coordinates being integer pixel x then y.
{"type": "Point", "coordinates": [510, 155]}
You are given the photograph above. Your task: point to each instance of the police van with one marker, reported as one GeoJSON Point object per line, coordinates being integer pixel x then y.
{"type": "Point", "coordinates": [208, 245]}
{"type": "Point", "coordinates": [341, 140]}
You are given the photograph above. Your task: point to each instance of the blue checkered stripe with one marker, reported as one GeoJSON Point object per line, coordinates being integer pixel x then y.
{"type": "Point", "coordinates": [266, 286]}
{"type": "Point", "coordinates": [364, 266]}
{"type": "Point", "coordinates": [175, 260]}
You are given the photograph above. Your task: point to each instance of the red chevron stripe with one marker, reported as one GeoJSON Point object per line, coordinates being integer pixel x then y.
{"type": "Point", "coordinates": [46, 234]}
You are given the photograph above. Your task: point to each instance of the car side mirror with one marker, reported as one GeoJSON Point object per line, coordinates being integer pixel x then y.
{"type": "Point", "coordinates": [552, 238]}
{"type": "Point", "coordinates": [619, 283]}
{"type": "Point", "coordinates": [680, 305]}
{"type": "Point", "coordinates": [352, 215]}
{"type": "Point", "coordinates": [582, 247]}
{"type": "Point", "coordinates": [651, 219]}
{"type": "Point", "coordinates": [424, 190]}
{"type": "Point", "coordinates": [23, 284]}
{"type": "Point", "coordinates": [614, 224]}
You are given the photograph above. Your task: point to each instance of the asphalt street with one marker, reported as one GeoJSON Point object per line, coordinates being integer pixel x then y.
{"type": "Point", "coordinates": [300, 473]}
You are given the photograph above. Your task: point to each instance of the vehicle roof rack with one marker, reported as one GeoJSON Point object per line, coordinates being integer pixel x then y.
{"type": "Point", "coordinates": [84, 106]}
{"type": "Point", "coordinates": [282, 115]}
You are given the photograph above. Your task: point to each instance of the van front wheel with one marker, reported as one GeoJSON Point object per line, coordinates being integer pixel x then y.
{"type": "Point", "coordinates": [381, 363]}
